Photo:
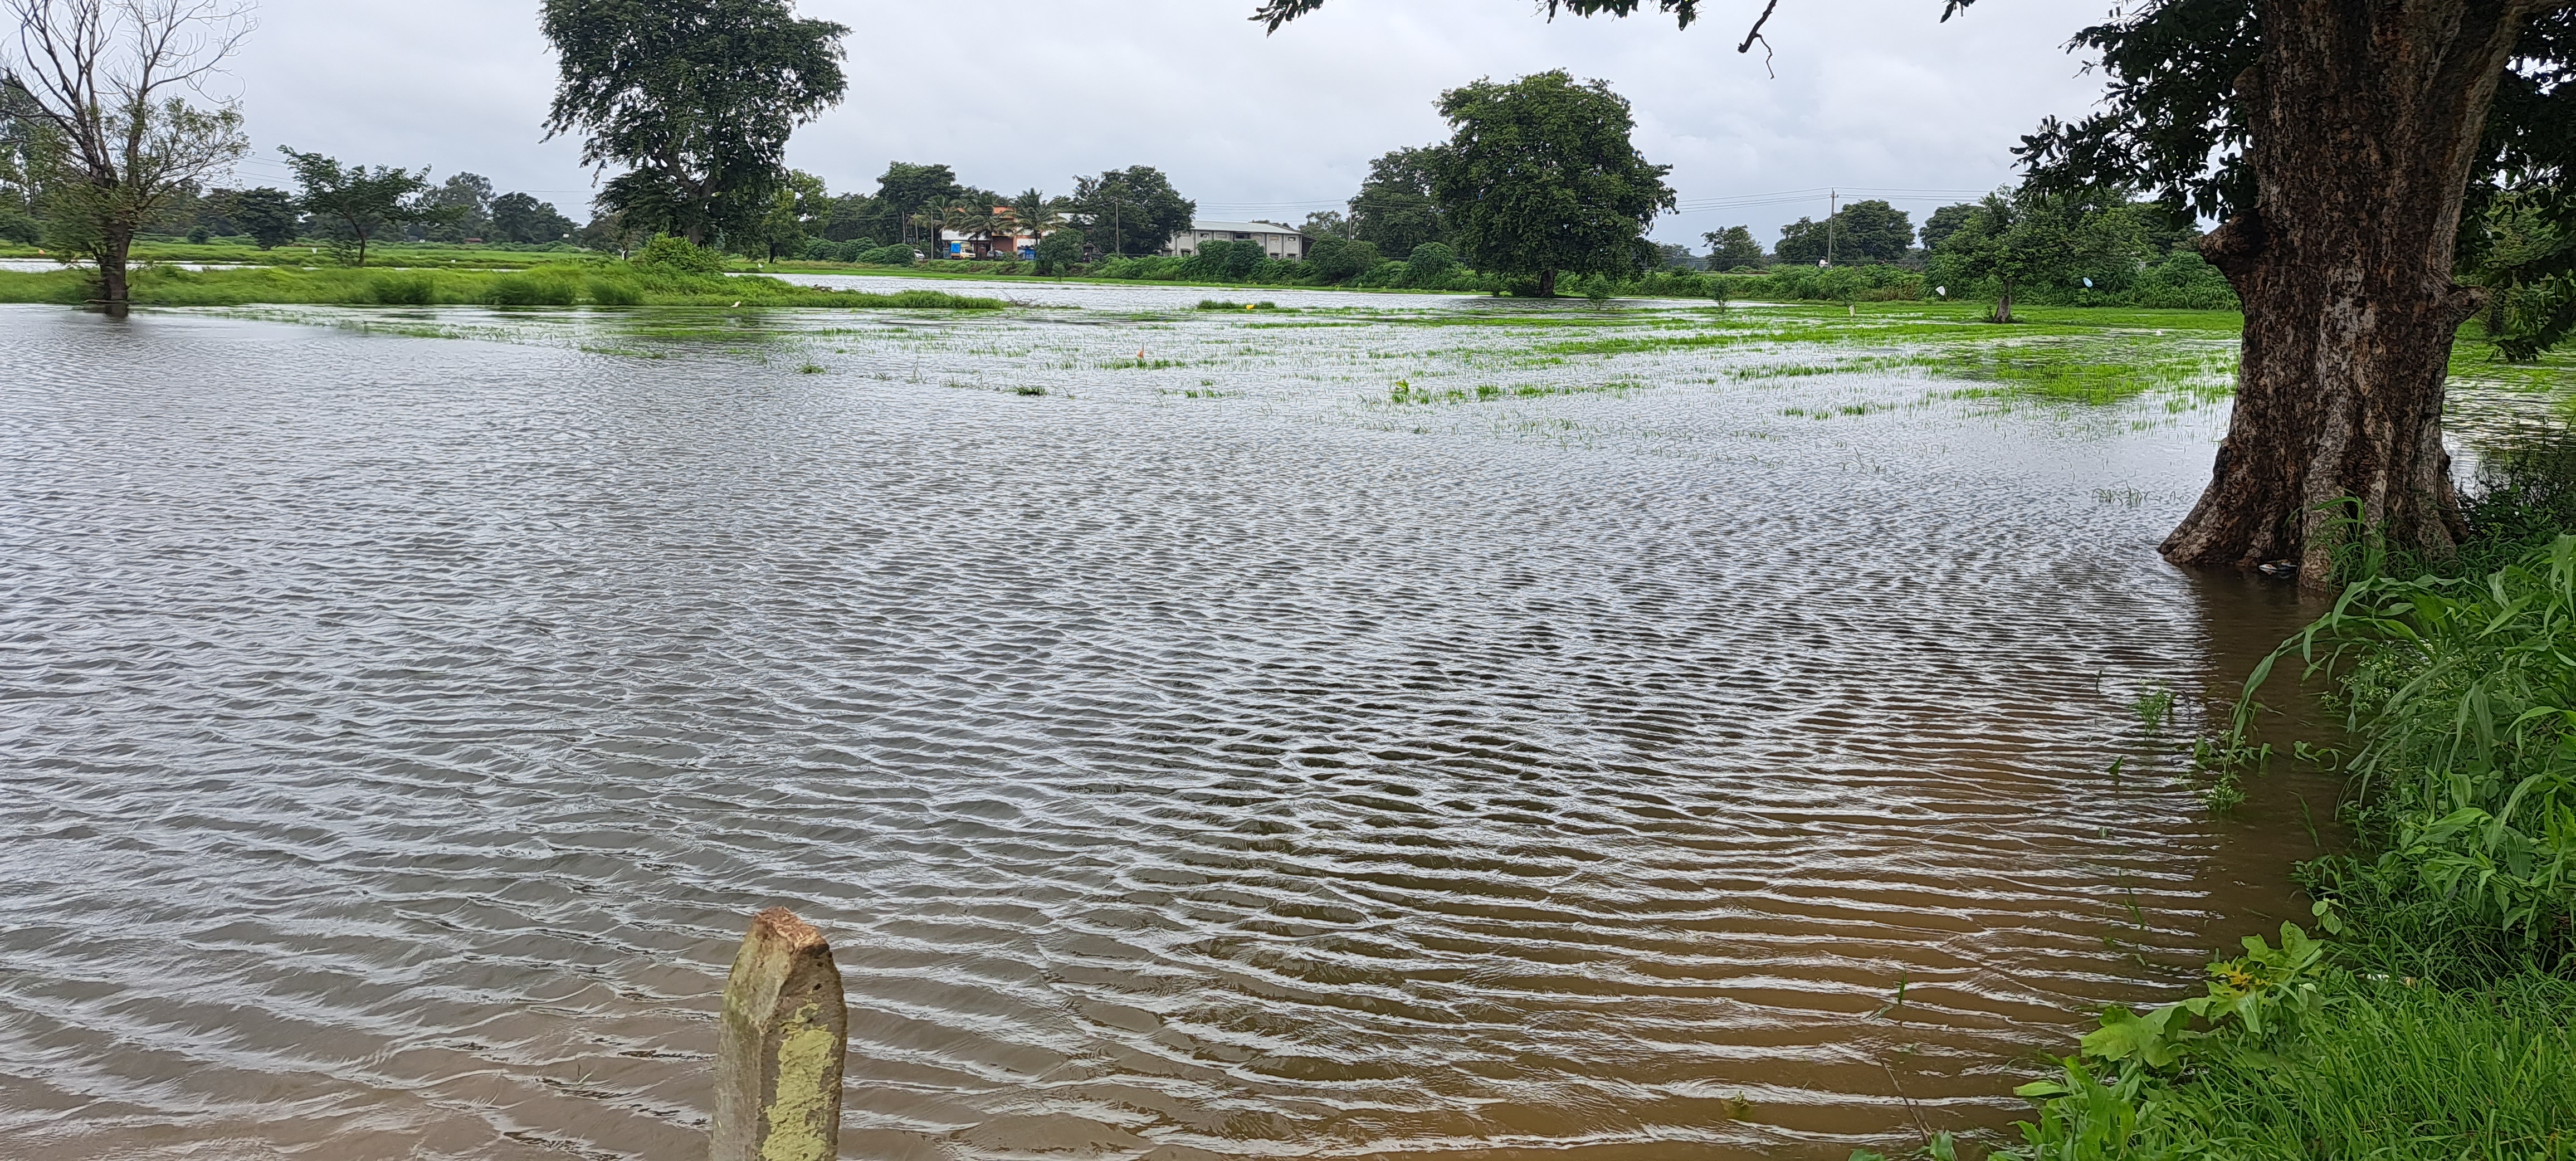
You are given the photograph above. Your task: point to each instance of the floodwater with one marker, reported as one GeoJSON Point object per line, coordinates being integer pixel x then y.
{"type": "Point", "coordinates": [1206, 756]}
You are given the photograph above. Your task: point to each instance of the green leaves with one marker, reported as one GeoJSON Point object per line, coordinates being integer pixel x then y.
{"type": "Point", "coordinates": [1540, 176]}
{"type": "Point", "coordinates": [350, 205]}
{"type": "Point", "coordinates": [696, 97]}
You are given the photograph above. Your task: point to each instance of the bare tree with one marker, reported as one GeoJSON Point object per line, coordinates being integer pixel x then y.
{"type": "Point", "coordinates": [105, 84]}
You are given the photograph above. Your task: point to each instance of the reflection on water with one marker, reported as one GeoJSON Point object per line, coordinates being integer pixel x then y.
{"type": "Point", "coordinates": [1201, 756]}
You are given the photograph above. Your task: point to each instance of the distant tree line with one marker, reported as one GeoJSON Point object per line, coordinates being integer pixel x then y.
{"type": "Point", "coordinates": [332, 206]}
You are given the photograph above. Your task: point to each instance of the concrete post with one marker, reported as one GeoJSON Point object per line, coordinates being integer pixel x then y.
{"type": "Point", "coordinates": [779, 1047]}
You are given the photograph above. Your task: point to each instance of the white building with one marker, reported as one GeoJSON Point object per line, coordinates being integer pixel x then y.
{"type": "Point", "coordinates": [1279, 241]}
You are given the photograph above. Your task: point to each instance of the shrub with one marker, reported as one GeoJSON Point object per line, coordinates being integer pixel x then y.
{"type": "Point", "coordinates": [1059, 251]}
{"type": "Point", "coordinates": [1159, 268]}
{"type": "Point", "coordinates": [18, 227]}
{"type": "Point", "coordinates": [1382, 274]}
{"type": "Point", "coordinates": [1671, 283]}
{"type": "Point", "coordinates": [2183, 281]}
{"type": "Point", "coordinates": [1333, 260]}
{"type": "Point", "coordinates": [894, 255]}
{"type": "Point", "coordinates": [1430, 266]}
{"type": "Point", "coordinates": [1236, 262]}
{"type": "Point", "coordinates": [403, 289]}
{"type": "Point", "coordinates": [679, 255]}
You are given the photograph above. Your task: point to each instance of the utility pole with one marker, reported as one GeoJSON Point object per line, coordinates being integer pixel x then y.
{"type": "Point", "coordinates": [1833, 210]}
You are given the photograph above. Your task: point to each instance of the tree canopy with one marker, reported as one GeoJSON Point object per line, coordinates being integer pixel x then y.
{"type": "Point", "coordinates": [352, 205]}
{"type": "Point", "coordinates": [1540, 176]}
{"type": "Point", "coordinates": [1734, 247]}
{"type": "Point", "coordinates": [1943, 222]}
{"type": "Point", "coordinates": [695, 97]}
{"type": "Point", "coordinates": [1859, 233]}
{"type": "Point", "coordinates": [268, 215]}
{"type": "Point", "coordinates": [1130, 211]}
{"type": "Point", "coordinates": [2023, 238]}
{"type": "Point", "coordinates": [1393, 209]}
{"type": "Point", "coordinates": [467, 200]}
{"type": "Point", "coordinates": [522, 219]}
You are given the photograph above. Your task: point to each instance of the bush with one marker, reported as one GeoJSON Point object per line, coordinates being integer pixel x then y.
{"type": "Point", "coordinates": [679, 255]}
{"type": "Point", "coordinates": [1383, 274]}
{"type": "Point", "coordinates": [894, 255]}
{"type": "Point", "coordinates": [403, 289]}
{"type": "Point", "coordinates": [1157, 268]}
{"type": "Point", "coordinates": [1059, 251]}
{"type": "Point", "coordinates": [16, 226]}
{"type": "Point", "coordinates": [826, 250]}
{"type": "Point", "coordinates": [1334, 260]}
{"type": "Point", "coordinates": [1430, 267]}
{"type": "Point", "coordinates": [1673, 283]}
{"type": "Point", "coordinates": [2183, 281]}
{"type": "Point", "coordinates": [1225, 261]}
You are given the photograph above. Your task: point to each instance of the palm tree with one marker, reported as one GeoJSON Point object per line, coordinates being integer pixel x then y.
{"type": "Point", "coordinates": [928, 222]}
{"type": "Point", "coordinates": [966, 222]}
{"type": "Point", "coordinates": [1036, 215]}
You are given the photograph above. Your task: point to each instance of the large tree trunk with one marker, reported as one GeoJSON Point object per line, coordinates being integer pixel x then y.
{"type": "Point", "coordinates": [116, 242]}
{"type": "Point", "coordinates": [1547, 284]}
{"type": "Point", "coordinates": [2365, 117]}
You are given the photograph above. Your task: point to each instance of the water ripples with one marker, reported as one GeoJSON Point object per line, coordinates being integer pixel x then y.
{"type": "Point", "coordinates": [395, 733]}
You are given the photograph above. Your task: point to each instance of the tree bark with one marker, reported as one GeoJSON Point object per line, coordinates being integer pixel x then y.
{"type": "Point", "coordinates": [2365, 120]}
{"type": "Point", "coordinates": [2003, 303]}
{"type": "Point", "coordinates": [116, 242]}
{"type": "Point", "coordinates": [1547, 284]}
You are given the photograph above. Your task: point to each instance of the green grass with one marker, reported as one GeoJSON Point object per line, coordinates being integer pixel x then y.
{"type": "Point", "coordinates": [2349, 1065]}
{"type": "Point", "coordinates": [2400, 1071]}
{"type": "Point", "coordinates": [595, 283]}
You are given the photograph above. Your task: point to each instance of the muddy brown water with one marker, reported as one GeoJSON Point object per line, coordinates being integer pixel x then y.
{"type": "Point", "coordinates": [395, 734]}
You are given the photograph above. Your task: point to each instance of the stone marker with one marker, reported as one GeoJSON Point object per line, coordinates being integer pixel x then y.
{"type": "Point", "coordinates": [779, 1048]}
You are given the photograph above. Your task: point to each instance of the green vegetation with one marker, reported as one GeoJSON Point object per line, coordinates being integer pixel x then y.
{"type": "Point", "coordinates": [1540, 176]}
{"type": "Point", "coordinates": [1132, 211]}
{"type": "Point", "coordinates": [2437, 1022]}
{"type": "Point", "coordinates": [352, 205]}
{"type": "Point", "coordinates": [560, 284]}
{"type": "Point", "coordinates": [697, 101]}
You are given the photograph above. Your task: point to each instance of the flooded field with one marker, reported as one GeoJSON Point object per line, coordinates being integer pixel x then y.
{"type": "Point", "coordinates": [1380, 726]}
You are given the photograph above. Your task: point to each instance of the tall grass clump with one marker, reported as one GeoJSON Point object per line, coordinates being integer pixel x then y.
{"type": "Point", "coordinates": [608, 291]}
{"type": "Point", "coordinates": [534, 288]}
{"type": "Point", "coordinates": [2460, 696]}
{"type": "Point", "coordinates": [403, 289]}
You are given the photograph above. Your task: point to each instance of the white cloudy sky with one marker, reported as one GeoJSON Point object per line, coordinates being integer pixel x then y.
{"type": "Point", "coordinates": [1876, 96]}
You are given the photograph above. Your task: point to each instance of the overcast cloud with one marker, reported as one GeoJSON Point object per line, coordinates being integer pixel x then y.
{"type": "Point", "coordinates": [1873, 96]}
